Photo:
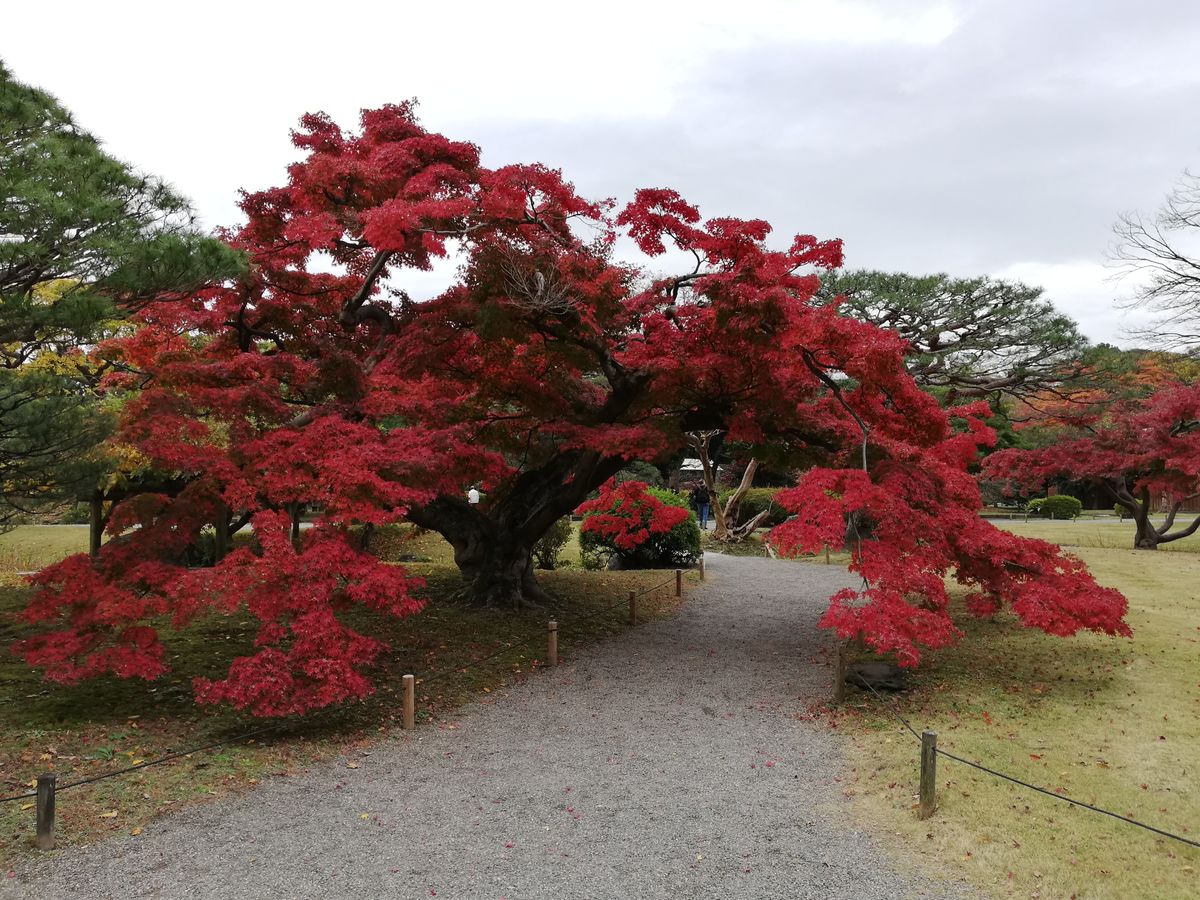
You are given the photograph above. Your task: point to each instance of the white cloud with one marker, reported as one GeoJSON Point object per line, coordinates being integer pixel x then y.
{"type": "Point", "coordinates": [1086, 292]}
{"type": "Point", "coordinates": [969, 136]}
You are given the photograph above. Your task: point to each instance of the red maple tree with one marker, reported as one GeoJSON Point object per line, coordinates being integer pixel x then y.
{"type": "Point", "coordinates": [1145, 451]}
{"type": "Point", "coordinates": [542, 368]}
{"type": "Point", "coordinates": [911, 520]}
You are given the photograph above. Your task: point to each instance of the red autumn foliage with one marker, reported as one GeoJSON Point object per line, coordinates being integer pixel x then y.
{"type": "Point", "coordinates": [541, 370]}
{"type": "Point", "coordinates": [1142, 449]}
{"type": "Point", "coordinates": [627, 515]}
{"type": "Point", "coordinates": [912, 522]}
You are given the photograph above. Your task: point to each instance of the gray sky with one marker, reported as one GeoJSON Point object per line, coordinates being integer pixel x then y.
{"type": "Point", "coordinates": [971, 136]}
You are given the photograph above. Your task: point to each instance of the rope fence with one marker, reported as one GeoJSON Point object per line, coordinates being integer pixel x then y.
{"type": "Point", "coordinates": [47, 787]}
{"type": "Point", "coordinates": [928, 784]}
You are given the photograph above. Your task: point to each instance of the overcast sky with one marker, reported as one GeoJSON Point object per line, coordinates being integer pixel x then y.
{"type": "Point", "coordinates": [995, 137]}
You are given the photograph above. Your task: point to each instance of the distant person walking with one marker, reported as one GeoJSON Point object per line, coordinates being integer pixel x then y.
{"type": "Point", "coordinates": [701, 501]}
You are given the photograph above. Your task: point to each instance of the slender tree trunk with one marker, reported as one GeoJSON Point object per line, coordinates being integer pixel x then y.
{"type": "Point", "coordinates": [295, 510]}
{"type": "Point", "coordinates": [221, 526]}
{"type": "Point", "coordinates": [95, 523]}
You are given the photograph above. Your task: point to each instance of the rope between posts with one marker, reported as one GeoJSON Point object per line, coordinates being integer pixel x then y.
{"type": "Point", "coordinates": [1042, 790]}
{"type": "Point", "coordinates": [895, 713]}
{"type": "Point", "coordinates": [1032, 787]}
{"type": "Point", "coordinates": [154, 762]}
{"type": "Point", "coordinates": [445, 673]}
{"type": "Point", "coordinates": [231, 740]}
{"type": "Point", "coordinates": [433, 679]}
{"type": "Point", "coordinates": [667, 583]}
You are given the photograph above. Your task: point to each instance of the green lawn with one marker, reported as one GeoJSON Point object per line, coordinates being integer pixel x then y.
{"type": "Point", "coordinates": [1109, 721]}
{"type": "Point", "coordinates": [33, 546]}
{"type": "Point", "coordinates": [105, 724]}
{"type": "Point", "coordinates": [1108, 533]}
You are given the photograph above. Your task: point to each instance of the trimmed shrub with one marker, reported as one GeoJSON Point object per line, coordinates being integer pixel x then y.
{"type": "Point", "coordinates": [550, 544]}
{"type": "Point", "coordinates": [641, 527]}
{"type": "Point", "coordinates": [1060, 506]}
{"type": "Point", "coordinates": [754, 502]}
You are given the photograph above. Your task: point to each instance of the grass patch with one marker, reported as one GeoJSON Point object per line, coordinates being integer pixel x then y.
{"type": "Point", "coordinates": [106, 724]}
{"type": "Point", "coordinates": [1111, 533]}
{"type": "Point", "coordinates": [30, 547]}
{"type": "Point", "coordinates": [751, 546]}
{"type": "Point", "coordinates": [1107, 721]}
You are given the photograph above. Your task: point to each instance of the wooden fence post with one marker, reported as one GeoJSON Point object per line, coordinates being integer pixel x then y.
{"type": "Point", "coordinates": [701, 566]}
{"type": "Point", "coordinates": [45, 811]}
{"type": "Point", "coordinates": [928, 774]}
{"type": "Point", "coordinates": [632, 608]}
{"type": "Point", "coordinates": [679, 582]}
{"type": "Point", "coordinates": [410, 701]}
{"type": "Point", "coordinates": [552, 643]}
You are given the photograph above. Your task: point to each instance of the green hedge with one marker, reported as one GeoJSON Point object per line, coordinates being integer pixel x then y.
{"type": "Point", "coordinates": [678, 547]}
{"type": "Point", "coordinates": [1060, 506]}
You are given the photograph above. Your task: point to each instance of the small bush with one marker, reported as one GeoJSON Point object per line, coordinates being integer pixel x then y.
{"type": "Point", "coordinates": [1060, 506]}
{"type": "Point", "coordinates": [754, 502]}
{"type": "Point", "coordinates": [77, 514]}
{"type": "Point", "coordinates": [550, 544]}
{"type": "Point", "coordinates": [640, 471]}
{"type": "Point", "coordinates": [642, 527]}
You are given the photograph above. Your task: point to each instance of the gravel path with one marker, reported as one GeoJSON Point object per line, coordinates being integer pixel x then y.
{"type": "Point", "coordinates": [665, 763]}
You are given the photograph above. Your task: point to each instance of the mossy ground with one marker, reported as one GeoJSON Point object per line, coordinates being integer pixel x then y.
{"type": "Point", "coordinates": [102, 725]}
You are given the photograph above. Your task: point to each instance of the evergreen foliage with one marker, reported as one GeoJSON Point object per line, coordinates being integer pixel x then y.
{"type": "Point", "coordinates": [83, 239]}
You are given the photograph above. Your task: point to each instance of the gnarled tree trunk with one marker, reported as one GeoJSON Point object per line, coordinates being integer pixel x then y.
{"type": "Point", "coordinates": [1147, 536]}
{"type": "Point", "coordinates": [493, 541]}
{"type": "Point", "coordinates": [496, 564]}
{"type": "Point", "coordinates": [725, 527]}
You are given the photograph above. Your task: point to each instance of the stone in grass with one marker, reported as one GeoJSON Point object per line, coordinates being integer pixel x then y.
{"type": "Point", "coordinates": [879, 675]}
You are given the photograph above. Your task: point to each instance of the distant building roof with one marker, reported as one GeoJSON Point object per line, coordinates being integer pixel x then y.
{"type": "Point", "coordinates": [693, 465]}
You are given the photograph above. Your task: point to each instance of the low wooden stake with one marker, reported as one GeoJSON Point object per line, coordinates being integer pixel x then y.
{"type": "Point", "coordinates": [632, 608]}
{"type": "Point", "coordinates": [679, 582]}
{"type": "Point", "coordinates": [410, 701]}
{"type": "Point", "coordinates": [701, 566]}
{"type": "Point", "coordinates": [45, 811]}
{"type": "Point", "coordinates": [552, 643]}
{"type": "Point", "coordinates": [928, 774]}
